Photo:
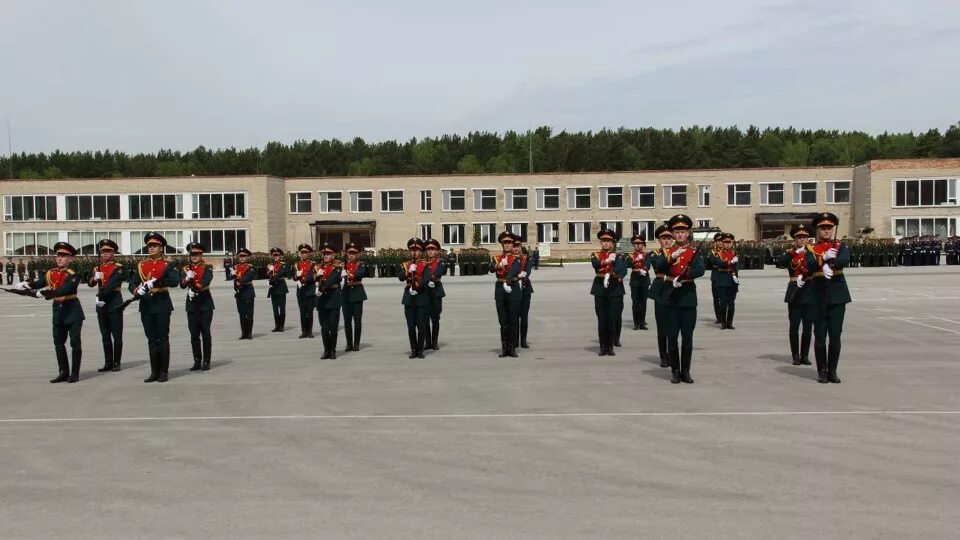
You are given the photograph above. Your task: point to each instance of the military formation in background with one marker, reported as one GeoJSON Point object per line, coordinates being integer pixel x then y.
{"type": "Point", "coordinates": [922, 250]}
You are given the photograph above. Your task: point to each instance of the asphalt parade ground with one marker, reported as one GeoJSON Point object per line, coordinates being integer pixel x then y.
{"type": "Point", "coordinates": [558, 443]}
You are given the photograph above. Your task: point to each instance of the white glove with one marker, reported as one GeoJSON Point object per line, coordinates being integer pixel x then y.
{"type": "Point", "coordinates": [830, 254]}
{"type": "Point", "coordinates": [151, 283]}
{"type": "Point", "coordinates": [677, 283]}
{"type": "Point", "coordinates": [23, 285]}
{"type": "Point", "coordinates": [611, 258]}
{"type": "Point", "coordinates": [413, 292]}
{"type": "Point", "coordinates": [190, 294]}
{"type": "Point", "coordinates": [799, 250]}
{"type": "Point", "coordinates": [800, 281]}
{"type": "Point", "coordinates": [606, 281]}
{"type": "Point", "coordinates": [98, 276]}
{"type": "Point", "coordinates": [503, 262]}
{"type": "Point", "coordinates": [431, 284]}
{"type": "Point", "coordinates": [38, 293]}
{"type": "Point", "coordinates": [230, 272]}
{"type": "Point", "coordinates": [191, 274]}
{"type": "Point", "coordinates": [343, 281]}
{"type": "Point", "coordinates": [141, 290]}
{"type": "Point", "coordinates": [299, 284]}
{"type": "Point", "coordinates": [299, 272]}
{"type": "Point", "coordinates": [522, 274]}
{"type": "Point", "coordinates": [736, 280]}
{"type": "Point", "coordinates": [734, 260]}
{"type": "Point", "coordinates": [101, 303]}
{"type": "Point", "coordinates": [412, 267]}
{"type": "Point", "coordinates": [827, 271]}
{"type": "Point", "coordinates": [643, 272]}
{"type": "Point", "coordinates": [507, 289]}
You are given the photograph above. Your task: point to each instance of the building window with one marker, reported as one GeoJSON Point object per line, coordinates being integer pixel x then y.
{"type": "Point", "coordinates": [391, 201]}
{"type": "Point", "coordinates": [485, 232]}
{"type": "Point", "coordinates": [361, 201]}
{"type": "Point", "coordinates": [330, 202]}
{"type": "Point", "coordinates": [426, 231]}
{"type": "Point", "coordinates": [771, 194]}
{"type": "Point", "coordinates": [705, 223]}
{"type": "Point", "coordinates": [548, 232]}
{"type": "Point", "coordinates": [611, 197]}
{"type": "Point", "coordinates": [644, 227]}
{"type": "Point", "coordinates": [219, 206]}
{"type": "Point", "coordinates": [838, 192]}
{"type": "Point", "coordinates": [30, 208]}
{"type": "Point", "coordinates": [935, 226]}
{"type": "Point", "coordinates": [578, 232]}
{"type": "Point", "coordinates": [615, 226]}
{"type": "Point", "coordinates": [519, 229]}
{"type": "Point", "coordinates": [453, 233]}
{"type": "Point", "coordinates": [703, 195]}
{"type": "Point", "coordinates": [548, 198]}
{"type": "Point", "coordinates": [515, 199]}
{"type": "Point", "coordinates": [156, 207]}
{"type": "Point", "coordinates": [89, 207]}
{"type": "Point", "coordinates": [219, 241]}
{"type": "Point", "coordinates": [454, 200]}
{"type": "Point", "coordinates": [300, 202]}
{"type": "Point", "coordinates": [675, 196]}
{"type": "Point", "coordinates": [484, 200]}
{"type": "Point", "coordinates": [578, 198]}
{"type": "Point", "coordinates": [926, 192]}
{"type": "Point", "coordinates": [86, 241]}
{"type": "Point", "coordinates": [738, 194]}
{"type": "Point", "coordinates": [175, 242]}
{"type": "Point", "coordinates": [426, 200]}
{"type": "Point", "coordinates": [643, 196]}
{"type": "Point", "coordinates": [804, 193]}
{"type": "Point", "coordinates": [30, 243]}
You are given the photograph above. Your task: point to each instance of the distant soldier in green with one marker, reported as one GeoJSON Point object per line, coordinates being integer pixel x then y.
{"type": "Point", "coordinates": [60, 285]}
{"type": "Point", "coordinates": [681, 265]}
{"type": "Point", "coordinates": [21, 270]}
{"type": "Point", "coordinates": [354, 295]}
{"type": "Point", "coordinates": [277, 274]}
{"type": "Point", "coordinates": [435, 293]}
{"type": "Point", "coordinates": [150, 285]}
{"type": "Point", "coordinates": [799, 311]}
{"type": "Point", "coordinates": [327, 276]}
{"type": "Point", "coordinates": [197, 277]}
{"type": "Point", "coordinates": [665, 239]}
{"type": "Point", "coordinates": [306, 289]}
{"type": "Point", "coordinates": [639, 281]}
{"type": "Point", "coordinates": [242, 274]}
{"type": "Point", "coordinates": [609, 270]}
{"type": "Point", "coordinates": [10, 268]}
{"type": "Point", "coordinates": [108, 276]}
{"type": "Point", "coordinates": [507, 295]}
{"type": "Point", "coordinates": [416, 304]}
{"type": "Point", "coordinates": [828, 293]}
{"type": "Point", "coordinates": [526, 290]}
{"type": "Point", "coordinates": [724, 262]}
{"type": "Point", "coordinates": [714, 276]}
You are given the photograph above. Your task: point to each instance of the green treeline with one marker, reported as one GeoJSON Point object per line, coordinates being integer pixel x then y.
{"type": "Point", "coordinates": [605, 150]}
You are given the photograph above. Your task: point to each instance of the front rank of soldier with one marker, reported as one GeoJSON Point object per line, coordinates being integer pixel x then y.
{"type": "Point", "coordinates": [277, 274]}
{"type": "Point", "coordinates": [723, 260]}
{"type": "Point", "coordinates": [416, 304]}
{"type": "Point", "coordinates": [327, 276]}
{"type": "Point", "coordinates": [506, 293]}
{"type": "Point", "coordinates": [526, 294]}
{"type": "Point", "coordinates": [829, 294]}
{"type": "Point", "coordinates": [665, 239]}
{"type": "Point", "coordinates": [354, 295]}
{"type": "Point", "coordinates": [799, 312]}
{"type": "Point", "coordinates": [681, 265]}
{"type": "Point", "coordinates": [435, 293]}
{"type": "Point", "coordinates": [609, 270]}
{"type": "Point", "coordinates": [306, 289]}
{"type": "Point", "coordinates": [244, 292]}
{"type": "Point", "coordinates": [150, 285]}
{"type": "Point", "coordinates": [197, 277]}
{"type": "Point", "coordinates": [639, 282]}
{"type": "Point", "coordinates": [108, 278]}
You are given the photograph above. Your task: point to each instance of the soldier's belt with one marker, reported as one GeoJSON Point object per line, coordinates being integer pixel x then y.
{"type": "Point", "coordinates": [793, 278]}
{"type": "Point", "coordinates": [835, 273]}
{"type": "Point", "coordinates": [158, 290]}
{"type": "Point", "coordinates": [723, 270]}
{"type": "Point", "coordinates": [355, 284]}
{"type": "Point", "coordinates": [66, 298]}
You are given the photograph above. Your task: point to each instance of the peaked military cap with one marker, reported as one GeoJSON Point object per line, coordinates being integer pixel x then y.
{"type": "Point", "coordinates": [801, 229]}
{"type": "Point", "coordinates": [662, 231]}
{"type": "Point", "coordinates": [276, 251]}
{"type": "Point", "coordinates": [415, 243]}
{"type": "Point", "coordinates": [717, 236]}
{"type": "Point", "coordinates": [154, 238]}
{"type": "Point", "coordinates": [638, 238]}
{"type": "Point", "coordinates": [63, 248]}
{"type": "Point", "coordinates": [352, 247]}
{"type": "Point", "coordinates": [680, 221]}
{"type": "Point", "coordinates": [196, 247]}
{"type": "Point", "coordinates": [517, 239]}
{"type": "Point", "coordinates": [304, 247]}
{"type": "Point", "coordinates": [504, 237]}
{"type": "Point", "coordinates": [826, 217]}
{"type": "Point", "coordinates": [432, 243]}
{"type": "Point", "coordinates": [107, 243]}
{"type": "Point", "coordinates": [327, 247]}
{"type": "Point", "coordinates": [727, 236]}
{"type": "Point", "coordinates": [244, 251]}
{"type": "Point", "coordinates": [608, 234]}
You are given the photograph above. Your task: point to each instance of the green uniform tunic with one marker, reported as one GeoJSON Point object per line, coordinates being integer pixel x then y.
{"type": "Point", "coordinates": [199, 307]}
{"type": "Point", "coordinates": [659, 309]}
{"type": "Point", "coordinates": [526, 290]}
{"type": "Point", "coordinates": [608, 295]}
{"type": "Point", "coordinates": [303, 276]}
{"type": "Point", "coordinates": [416, 303]}
{"type": "Point", "coordinates": [277, 293]}
{"type": "Point", "coordinates": [245, 293]}
{"type": "Point", "coordinates": [109, 317]}
{"type": "Point", "coordinates": [639, 287]}
{"type": "Point", "coordinates": [680, 302]}
{"type": "Point", "coordinates": [829, 299]}
{"type": "Point", "coordinates": [435, 294]}
{"type": "Point", "coordinates": [353, 298]}
{"type": "Point", "coordinates": [725, 285]}
{"type": "Point", "coordinates": [507, 303]}
{"type": "Point", "coordinates": [67, 317]}
{"type": "Point", "coordinates": [329, 301]}
{"type": "Point", "coordinates": [799, 310]}
{"type": "Point", "coordinates": [155, 308]}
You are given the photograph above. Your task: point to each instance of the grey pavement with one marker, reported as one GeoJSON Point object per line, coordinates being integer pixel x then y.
{"type": "Point", "coordinates": [558, 443]}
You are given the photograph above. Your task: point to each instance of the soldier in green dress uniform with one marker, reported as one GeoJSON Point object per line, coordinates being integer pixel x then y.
{"type": "Point", "coordinates": [328, 275]}
{"type": "Point", "coordinates": [526, 290]}
{"type": "Point", "coordinates": [435, 293]}
{"type": "Point", "coordinates": [723, 260]}
{"type": "Point", "coordinates": [277, 273]}
{"type": "Point", "coordinates": [799, 312]}
{"type": "Point", "coordinates": [681, 265]}
{"type": "Point", "coordinates": [639, 281]}
{"type": "Point", "coordinates": [507, 295]}
{"type": "Point", "coordinates": [354, 295]}
{"type": "Point", "coordinates": [197, 277]}
{"type": "Point", "coordinates": [665, 239]}
{"type": "Point", "coordinates": [416, 303]}
{"type": "Point", "coordinates": [609, 270]}
{"type": "Point", "coordinates": [242, 274]}
{"type": "Point", "coordinates": [21, 270]}
{"type": "Point", "coordinates": [108, 276]}
{"type": "Point", "coordinates": [714, 276]}
{"type": "Point", "coordinates": [150, 284]}
{"type": "Point", "coordinates": [10, 268]}
{"type": "Point", "coordinates": [829, 295]}
{"type": "Point", "coordinates": [306, 289]}
{"type": "Point", "coordinates": [59, 285]}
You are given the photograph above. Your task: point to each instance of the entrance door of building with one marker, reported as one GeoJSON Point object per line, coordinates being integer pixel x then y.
{"type": "Point", "coordinates": [339, 233]}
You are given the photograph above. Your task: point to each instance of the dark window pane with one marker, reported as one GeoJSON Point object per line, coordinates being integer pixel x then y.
{"type": "Point", "coordinates": [926, 192]}
{"type": "Point", "coordinates": [113, 207]}
{"type": "Point", "coordinates": [242, 239]}
{"type": "Point", "coordinates": [913, 193]}
{"type": "Point", "coordinates": [939, 192]}
{"type": "Point", "coordinates": [230, 241]}
{"type": "Point", "coordinates": [86, 208]}
{"type": "Point", "coordinates": [100, 207]}
{"type": "Point", "coordinates": [241, 205]}
{"type": "Point", "coordinates": [334, 202]}
{"type": "Point", "coordinates": [170, 206]}
{"type": "Point", "coordinates": [217, 240]}
{"type": "Point", "coordinates": [229, 205]}
{"type": "Point", "coordinates": [157, 208]}
{"type": "Point", "coordinates": [134, 203]}
{"type": "Point", "coordinates": [205, 206]}
{"type": "Point", "coordinates": [73, 208]}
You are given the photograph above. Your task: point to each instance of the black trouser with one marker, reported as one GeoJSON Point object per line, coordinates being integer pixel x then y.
{"type": "Point", "coordinates": [245, 311]}
{"type": "Point", "coordinates": [638, 298]}
{"type": "Point", "coordinates": [660, 315]}
{"type": "Point", "coordinates": [609, 311]}
{"type": "Point", "coordinates": [306, 305]}
{"type": "Point", "coordinates": [60, 333]}
{"type": "Point", "coordinates": [418, 318]}
{"type": "Point", "coordinates": [508, 314]}
{"type": "Point", "coordinates": [829, 323]}
{"type": "Point", "coordinates": [800, 314]}
{"type": "Point", "coordinates": [279, 303]}
{"type": "Point", "coordinates": [111, 331]}
{"type": "Point", "coordinates": [715, 294]}
{"type": "Point", "coordinates": [199, 323]}
{"type": "Point", "coordinates": [329, 325]}
{"type": "Point", "coordinates": [436, 309]}
{"type": "Point", "coordinates": [352, 322]}
{"type": "Point", "coordinates": [523, 321]}
{"type": "Point", "coordinates": [680, 321]}
{"type": "Point", "coordinates": [10, 279]}
{"type": "Point", "coordinates": [156, 326]}
{"type": "Point", "coordinates": [727, 300]}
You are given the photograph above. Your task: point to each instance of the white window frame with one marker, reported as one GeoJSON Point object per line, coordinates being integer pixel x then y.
{"type": "Point", "coordinates": [508, 199]}
{"type": "Point", "coordinates": [953, 182]}
{"type": "Point", "coordinates": [223, 230]}
{"type": "Point", "coordinates": [426, 198]}
{"type": "Point", "coordinates": [589, 198]}
{"type": "Point", "coordinates": [320, 194]}
{"type": "Point", "coordinates": [380, 194]}
{"type": "Point", "coordinates": [953, 224]}
{"type": "Point", "coordinates": [372, 202]}
{"type": "Point", "coordinates": [652, 227]}
{"type": "Point", "coordinates": [195, 202]}
{"type": "Point", "coordinates": [8, 209]}
{"type": "Point", "coordinates": [421, 231]}
{"type": "Point", "coordinates": [587, 237]}
{"type": "Point", "coordinates": [830, 194]}
{"type": "Point", "coordinates": [783, 193]}
{"type": "Point", "coordinates": [686, 188]}
{"type": "Point", "coordinates": [91, 195]}
{"type": "Point", "coordinates": [793, 192]}
{"type": "Point", "coordinates": [557, 229]}
{"type": "Point", "coordinates": [443, 201]}
{"type": "Point", "coordinates": [178, 197]}
{"type": "Point", "coordinates": [443, 233]}
{"type": "Point", "coordinates": [603, 222]}
{"type": "Point", "coordinates": [290, 211]}
{"type": "Point", "coordinates": [542, 189]}
{"type": "Point", "coordinates": [637, 186]}
{"type": "Point", "coordinates": [603, 197]}
{"type": "Point", "coordinates": [701, 192]}
{"type": "Point", "coordinates": [492, 237]}
{"type": "Point", "coordinates": [735, 193]}
{"type": "Point", "coordinates": [478, 198]}
{"type": "Point", "coordinates": [8, 236]}
{"type": "Point", "coordinates": [710, 221]}
{"type": "Point", "coordinates": [526, 225]}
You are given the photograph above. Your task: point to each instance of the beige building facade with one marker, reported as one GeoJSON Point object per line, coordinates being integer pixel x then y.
{"type": "Point", "coordinates": [894, 197]}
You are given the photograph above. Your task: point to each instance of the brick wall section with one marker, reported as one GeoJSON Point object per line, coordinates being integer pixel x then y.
{"type": "Point", "coordinates": [933, 163]}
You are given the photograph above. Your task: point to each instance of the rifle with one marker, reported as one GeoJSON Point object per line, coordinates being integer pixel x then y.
{"type": "Point", "coordinates": [20, 292]}
{"type": "Point", "coordinates": [128, 301]}
{"type": "Point", "coordinates": [686, 270]}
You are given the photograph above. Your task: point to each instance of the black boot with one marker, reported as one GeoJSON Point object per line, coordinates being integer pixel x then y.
{"type": "Point", "coordinates": [602, 338]}
{"type": "Point", "coordinates": [117, 355]}
{"type": "Point", "coordinates": [524, 326]}
{"type": "Point", "coordinates": [686, 359]}
{"type": "Point", "coordinates": [348, 333]}
{"type": "Point", "coordinates": [833, 358]}
{"type": "Point", "coordinates": [421, 342]}
{"type": "Point", "coordinates": [673, 353]}
{"type": "Point", "coordinates": [197, 355]}
{"type": "Point", "coordinates": [153, 367]}
{"type": "Point", "coordinates": [795, 350]}
{"type": "Point", "coordinates": [728, 322]}
{"type": "Point", "coordinates": [613, 339]}
{"type": "Point", "coordinates": [207, 355]}
{"type": "Point", "coordinates": [356, 336]}
{"type": "Point", "coordinates": [326, 344]}
{"type": "Point", "coordinates": [76, 356]}
{"type": "Point", "coordinates": [332, 338]}
{"type": "Point", "coordinates": [107, 357]}
{"type": "Point", "coordinates": [503, 350]}
{"type": "Point", "coordinates": [163, 358]}
{"type": "Point", "coordinates": [805, 349]}
{"type": "Point", "coordinates": [820, 355]}
{"type": "Point", "coordinates": [662, 348]}
{"type": "Point", "coordinates": [675, 377]}
{"type": "Point", "coordinates": [412, 336]}
{"type": "Point", "coordinates": [435, 336]}
{"type": "Point", "coordinates": [63, 366]}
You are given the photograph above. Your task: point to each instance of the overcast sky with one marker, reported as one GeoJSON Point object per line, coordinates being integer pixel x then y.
{"type": "Point", "coordinates": [139, 76]}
